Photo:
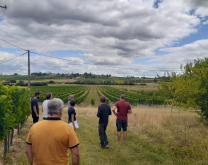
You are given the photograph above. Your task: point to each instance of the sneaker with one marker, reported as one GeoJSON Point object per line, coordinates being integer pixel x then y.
{"type": "Point", "coordinates": [105, 147]}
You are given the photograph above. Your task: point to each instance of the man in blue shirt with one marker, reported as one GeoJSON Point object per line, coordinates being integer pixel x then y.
{"type": "Point", "coordinates": [35, 107]}
{"type": "Point", "coordinates": [103, 113]}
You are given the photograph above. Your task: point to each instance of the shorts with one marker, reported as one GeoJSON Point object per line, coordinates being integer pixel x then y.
{"type": "Point", "coordinates": [121, 124]}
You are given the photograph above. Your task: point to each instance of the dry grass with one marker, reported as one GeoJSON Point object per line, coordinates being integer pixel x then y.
{"type": "Point", "coordinates": [180, 136]}
{"type": "Point", "coordinates": [147, 87]}
{"type": "Point", "coordinates": [156, 136]}
{"type": "Point", "coordinates": [181, 133]}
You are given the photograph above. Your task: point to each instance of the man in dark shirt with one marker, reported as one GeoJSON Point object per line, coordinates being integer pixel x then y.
{"type": "Point", "coordinates": [103, 113]}
{"type": "Point", "coordinates": [35, 107]}
{"type": "Point", "coordinates": [123, 108]}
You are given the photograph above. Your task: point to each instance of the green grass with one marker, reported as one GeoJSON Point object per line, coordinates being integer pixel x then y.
{"type": "Point", "coordinates": [134, 152]}
{"type": "Point", "coordinates": [165, 138]}
{"type": "Point", "coordinates": [155, 137]}
{"type": "Point", "coordinates": [92, 98]}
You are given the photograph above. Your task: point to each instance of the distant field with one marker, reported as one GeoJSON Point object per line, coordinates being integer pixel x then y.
{"type": "Point", "coordinates": [156, 137]}
{"type": "Point", "coordinates": [140, 87]}
{"type": "Point", "coordinates": [90, 94]}
{"type": "Point", "coordinates": [62, 92]}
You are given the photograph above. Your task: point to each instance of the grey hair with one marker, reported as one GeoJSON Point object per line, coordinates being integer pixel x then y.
{"type": "Point", "coordinates": [55, 106]}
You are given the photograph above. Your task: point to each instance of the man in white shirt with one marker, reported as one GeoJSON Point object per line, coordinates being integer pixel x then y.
{"type": "Point", "coordinates": [45, 105]}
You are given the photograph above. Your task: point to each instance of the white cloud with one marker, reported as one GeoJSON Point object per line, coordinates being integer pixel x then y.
{"type": "Point", "coordinates": [177, 56]}
{"type": "Point", "coordinates": [108, 31]}
{"type": "Point", "coordinates": [108, 60]}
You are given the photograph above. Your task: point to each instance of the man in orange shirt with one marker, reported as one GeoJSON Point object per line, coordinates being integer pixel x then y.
{"type": "Point", "coordinates": [48, 141]}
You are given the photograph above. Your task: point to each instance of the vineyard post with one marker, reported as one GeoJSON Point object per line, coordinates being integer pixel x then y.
{"type": "Point", "coordinates": [8, 139]}
{"type": "Point", "coordinates": [18, 129]}
{"type": "Point", "coordinates": [11, 137]}
{"type": "Point", "coordinates": [5, 146]}
{"type": "Point", "coordinates": [28, 53]}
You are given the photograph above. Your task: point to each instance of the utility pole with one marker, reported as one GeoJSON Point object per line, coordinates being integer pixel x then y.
{"type": "Point", "coordinates": [28, 54]}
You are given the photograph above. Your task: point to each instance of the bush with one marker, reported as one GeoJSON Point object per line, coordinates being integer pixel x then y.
{"type": "Point", "coordinates": [22, 83]}
{"type": "Point", "coordinates": [51, 82]}
{"type": "Point", "coordinates": [92, 102]}
{"type": "Point", "coordinates": [9, 82]}
{"type": "Point", "coordinates": [14, 108]}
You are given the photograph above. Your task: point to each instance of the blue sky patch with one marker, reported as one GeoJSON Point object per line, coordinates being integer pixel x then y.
{"type": "Point", "coordinates": [67, 53]}
{"type": "Point", "coordinates": [202, 33]}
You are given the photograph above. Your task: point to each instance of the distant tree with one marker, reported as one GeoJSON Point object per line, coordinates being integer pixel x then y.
{"type": "Point", "coordinates": [13, 81]}
{"type": "Point", "coordinates": [21, 83]}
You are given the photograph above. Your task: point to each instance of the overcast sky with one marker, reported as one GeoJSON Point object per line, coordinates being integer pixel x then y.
{"type": "Point", "coordinates": [118, 37]}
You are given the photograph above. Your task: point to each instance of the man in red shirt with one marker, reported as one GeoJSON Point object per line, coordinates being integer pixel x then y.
{"type": "Point", "coordinates": [123, 108]}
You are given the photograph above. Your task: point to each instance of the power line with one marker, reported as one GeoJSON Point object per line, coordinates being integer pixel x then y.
{"type": "Point", "coordinates": [16, 46]}
{"type": "Point", "coordinates": [40, 54]}
{"type": "Point", "coordinates": [11, 59]}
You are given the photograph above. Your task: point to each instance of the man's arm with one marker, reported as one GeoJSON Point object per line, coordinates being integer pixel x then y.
{"type": "Point", "coordinates": [72, 119]}
{"type": "Point", "coordinates": [109, 109]}
{"type": "Point", "coordinates": [98, 113]}
{"type": "Point", "coordinates": [29, 153]}
{"type": "Point", "coordinates": [35, 110]}
{"type": "Point", "coordinates": [129, 109]}
{"type": "Point", "coordinates": [114, 110]}
{"type": "Point", "coordinates": [75, 155]}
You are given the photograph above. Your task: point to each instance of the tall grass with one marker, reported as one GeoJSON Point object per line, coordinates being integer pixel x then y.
{"type": "Point", "coordinates": [180, 134]}
{"type": "Point", "coordinates": [155, 136]}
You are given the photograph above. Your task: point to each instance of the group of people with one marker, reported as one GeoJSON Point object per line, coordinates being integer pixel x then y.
{"type": "Point", "coordinates": [48, 140]}
{"type": "Point", "coordinates": [120, 110]}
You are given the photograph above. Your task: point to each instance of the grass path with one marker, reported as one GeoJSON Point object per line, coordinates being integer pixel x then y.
{"type": "Point", "coordinates": [155, 136]}
{"type": "Point", "coordinates": [132, 153]}
{"type": "Point", "coordinates": [92, 95]}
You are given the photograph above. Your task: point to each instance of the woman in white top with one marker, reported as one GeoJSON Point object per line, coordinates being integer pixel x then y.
{"type": "Point", "coordinates": [45, 105]}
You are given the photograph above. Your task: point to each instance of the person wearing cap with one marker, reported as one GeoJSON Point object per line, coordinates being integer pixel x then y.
{"type": "Point", "coordinates": [49, 140]}
{"type": "Point", "coordinates": [121, 110]}
{"type": "Point", "coordinates": [35, 107]}
{"type": "Point", "coordinates": [103, 113]}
